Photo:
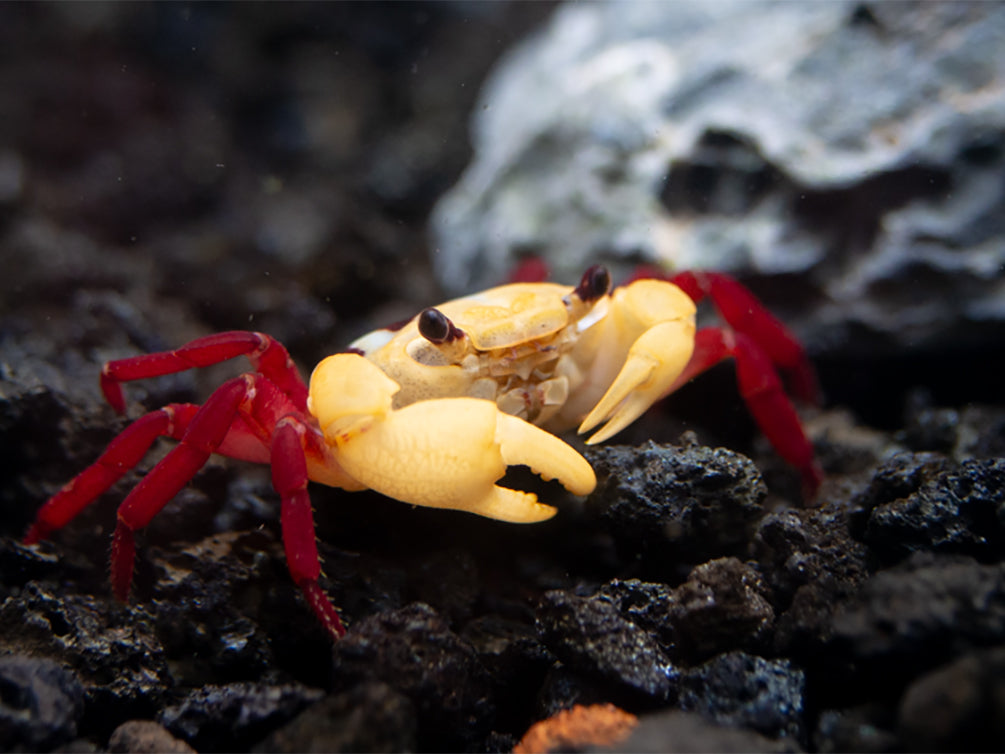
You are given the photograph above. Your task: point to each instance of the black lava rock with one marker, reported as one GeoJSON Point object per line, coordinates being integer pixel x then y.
{"type": "Point", "coordinates": [235, 716]}
{"type": "Point", "coordinates": [958, 707]}
{"type": "Point", "coordinates": [369, 717]}
{"type": "Point", "coordinates": [413, 651]}
{"type": "Point", "coordinates": [111, 647]}
{"type": "Point", "coordinates": [812, 564]}
{"type": "Point", "coordinates": [670, 504]}
{"type": "Point", "coordinates": [750, 692]}
{"type": "Point", "coordinates": [917, 615]}
{"type": "Point", "coordinates": [960, 508]}
{"type": "Point", "coordinates": [590, 635]}
{"type": "Point", "coordinates": [40, 704]}
{"type": "Point", "coordinates": [720, 607]}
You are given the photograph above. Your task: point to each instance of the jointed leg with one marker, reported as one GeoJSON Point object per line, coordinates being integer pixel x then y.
{"type": "Point", "coordinates": [762, 391]}
{"type": "Point", "coordinates": [205, 432]}
{"type": "Point", "coordinates": [745, 314]}
{"type": "Point", "coordinates": [267, 356]}
{"type": "Point", "coordinates": [124, 452]}
{"type": "Point", "coordinates": [289, 477]}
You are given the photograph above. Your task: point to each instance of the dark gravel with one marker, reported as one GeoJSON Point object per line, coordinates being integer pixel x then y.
{"type": "Point", "coordinates": [167, 171]}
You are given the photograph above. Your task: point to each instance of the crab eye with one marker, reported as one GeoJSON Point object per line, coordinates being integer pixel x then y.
{"type": "Point", "coordinates": [436, 327]}
{"type": "Point", "coordinates": [596, 282]}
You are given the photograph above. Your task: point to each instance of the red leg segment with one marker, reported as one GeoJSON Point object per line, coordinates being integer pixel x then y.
{"type": "Point", "coordinates": [763, 393]}
{"type": "Point", "coordinates": [203, 436]}
{"type": "Point", "coordinates": [236, 418]}
{"type": "Point", "coordinates": [745, 314]}
{"type": "Point", "coordinates": [122, 454]}
{"type": "Point", "coordinates": [289, 477]}
{"type": "Point", "coordinates": [267, 356]}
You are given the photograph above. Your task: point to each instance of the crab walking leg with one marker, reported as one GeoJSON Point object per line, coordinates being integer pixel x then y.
{"type": "Point", "coordinates": [204, 434]}
{"type": "Point", "coordinates": [762, 391]}
{"type": "Point", "coordinates": [122, 454]}
{"type": "Point", "coordinates": [267, 356]}
{"type": "Point", "coordinates": [747, 315]}
{"type": "Point", "coordinates": [289, 477]}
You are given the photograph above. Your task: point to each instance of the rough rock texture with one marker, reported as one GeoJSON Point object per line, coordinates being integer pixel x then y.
{"type": "Point", "coordinates": [589, 635]}
{"type": "Point", "coordinates": [855, 146]}
{"type": "Point", "coordinates": [145, 737]}
{"type": "Point", "coordinates": [368, 717]}
{"type": "Point", "coordinates": [167, 171]}
{"type": "Point", "coordinates": [40, 705]}
{"type": "Point", "coordinates": [413, 651]}
{"type": "Point", "coordinates": [222, 718]}
{"type": "Point", "coordinates": [668, 504]}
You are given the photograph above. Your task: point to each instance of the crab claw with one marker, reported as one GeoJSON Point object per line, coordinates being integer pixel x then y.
{"type": "Point", "coordinates": [654, 362]}
{"type": "Point", "coordinates": [442, 453]}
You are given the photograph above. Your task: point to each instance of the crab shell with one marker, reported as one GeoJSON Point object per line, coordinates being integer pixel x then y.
{"type": "Point", "coordinates": [546, 353]}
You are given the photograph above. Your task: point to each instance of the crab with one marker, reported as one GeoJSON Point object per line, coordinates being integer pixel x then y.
{"type": "Point", "coordinates": [432, 412]}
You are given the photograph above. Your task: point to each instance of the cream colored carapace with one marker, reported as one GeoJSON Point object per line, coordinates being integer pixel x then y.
{"type": "Point", "coordinates": [438, 409]}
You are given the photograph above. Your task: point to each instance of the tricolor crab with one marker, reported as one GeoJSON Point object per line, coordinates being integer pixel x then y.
{"type": "Point", "coordinates": [433, 412]}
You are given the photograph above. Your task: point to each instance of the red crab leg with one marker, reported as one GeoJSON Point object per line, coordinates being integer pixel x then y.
{"type": "Point", "coordinates": [762, 391]}
{"type": "Point", "coordinates": [289, 477]}
{"type": "Point", "coordinates": [267, 356]}
{"type": "Point", "coordinates": [122, 454]}
{"type": "Point", "coordinates": [203, 436]}
{"type": "Point", "coordinates": [745, 314]}
{"type": "Point", "coordinates": [530, 270]}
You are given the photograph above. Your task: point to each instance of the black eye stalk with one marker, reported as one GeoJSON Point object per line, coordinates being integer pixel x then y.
{"type": "Point", "coordinates": [437, 328]}
{"type": "Point", "coordinates": [596, 282]}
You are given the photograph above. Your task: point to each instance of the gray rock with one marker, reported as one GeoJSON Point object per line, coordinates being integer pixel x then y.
{"type": "Point", "coordinates": [960, 706]}
{"type": "Point", "coordinates": [414, 651]}
{"type": "Point", "coordinates": [41, 703]}
{"type": "Point", "coordinates": [369, 717]}
{"type": "Point", "coordinates": [677, 731]}
{"type": "Point", "coordinates": [235, 715]}
{"type": "Point", "coordinates": [917, 615]}
{"type": "Point", "coordinates": [668, 505]}
{"type": "Point", "coordinates": [749, 692]}
{"type": "Point", "coordinates": [589, 635]}
{"type": "Point", "coordinates": [146, 737]}
{"type": "Point", "coordinates": [861, 143]}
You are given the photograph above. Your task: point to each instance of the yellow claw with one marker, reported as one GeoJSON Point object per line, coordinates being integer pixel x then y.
{"type": "Point", "coordinates": [440, 453]}
{"type": "Point", "coordinates": [654, 361]}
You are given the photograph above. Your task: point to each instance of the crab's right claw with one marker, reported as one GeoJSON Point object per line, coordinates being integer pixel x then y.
{"type": "Point", "coordinates": [654, 362]}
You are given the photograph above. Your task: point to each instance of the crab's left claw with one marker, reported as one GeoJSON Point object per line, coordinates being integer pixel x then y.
{"type": "Point", "coordinates": [655, 359]}
{"type": "Point", "coordinates": [438, 453]}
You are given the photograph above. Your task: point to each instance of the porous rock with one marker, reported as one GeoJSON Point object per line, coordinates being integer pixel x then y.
{"type": "Point", "coordinates": [868, 154]}
{"type": "Point", "coordinates": [40, 705]}
{"type": "Point", "coordinates": [811, 564]}
{"type": "Point", "coordinates": [369, 717]}
{"type": "Point", "coordinates": [917, 615]}
{"type": "Point", "coordinates": [961, 509]}
{"type": "Point", "coordinates": [590, 635]}
{"type": "Point", "coordinates": [110, 646]}
{"type": "Point", "coordinates": [145, 737]}
{"type": "Point", "coordinates": [414, 651]}
{"type": "Point", "coordinates": [957, 707]}
{"type": "Point", "coordinates": [236, 715]}
{"type": "Point", "coordinates": [748, 691]}
{"type": "Point", "coordinates": [671, 505]}
{"type": "Point", "coordinates": [720, 607]}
